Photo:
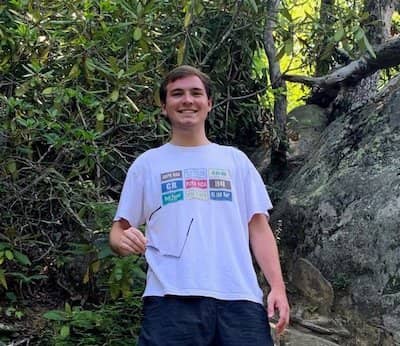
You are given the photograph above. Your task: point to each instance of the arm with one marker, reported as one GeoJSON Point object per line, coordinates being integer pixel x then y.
{"type": "Point", "coordinates": [265, 250]}
{"type": "Point", "coordinates": [126, 240]}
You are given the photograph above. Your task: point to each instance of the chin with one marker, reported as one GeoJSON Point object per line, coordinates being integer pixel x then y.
{"type": "Point", "coordinates": [185, 125]}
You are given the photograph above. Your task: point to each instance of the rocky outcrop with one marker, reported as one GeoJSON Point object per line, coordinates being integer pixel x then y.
{"type": "Point", "coordinates": [341, 211]}
{"type": "Point", "coordinates": [312, 286]}
{"type": "Point", "coordinates": [305, 126]}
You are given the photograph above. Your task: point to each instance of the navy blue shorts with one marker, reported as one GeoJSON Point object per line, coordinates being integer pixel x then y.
{"type": "Point", "coordinates": [202, 321]}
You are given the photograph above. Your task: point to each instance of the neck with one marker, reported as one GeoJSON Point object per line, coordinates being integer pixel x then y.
{"type": "Point", "coordinates": [188, 138]}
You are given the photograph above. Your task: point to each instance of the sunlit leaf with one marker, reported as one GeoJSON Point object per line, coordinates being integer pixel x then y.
{"type": "Point", "coordinates": [86, 277]}
{"type": "Point", "coordinates": [139, 9]}
{"type": "Point", "coordinates": [64, 331]}
{"type": "Point", "coordinates": [95, 266]}
{"type": "Point", "coordinates": [3, 281]}
{"type": "Point", "coordinates": [188, 19]}
{"type": "Point", "coordinates": [359, 34]}
{"type": "Point", "coordinates": [9, 255]}
{"type": "Point", "coordinates": [369, 47]}
{"type": "Point", "coordinates": [22, 89]}
{"type": "Point", "coordinates": [100, 115]}
{"type": "Point", "coordinates": [137, 34]}
{"type": "Point", "coordinates": [48, 91]}
{"type": "Point", "coordinates": [67, 308]}
{"type": "Point", "coordinates": [114, 95]}
{"type": "Point", "coordinates": [75, 71]}
{"type": "Point", "coordinates": [288, 46]}
{"type": "Point", "coordinates": [12, 166]}
{"type": "Point", "coordinates": [181, 52]}
{"type": "Point", "coordinates": [339, 34]}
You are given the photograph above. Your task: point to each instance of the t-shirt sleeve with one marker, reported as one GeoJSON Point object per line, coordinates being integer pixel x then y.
{"type": "Point", "coordinates": [257, 198]}
{"type": "Point", "coordinates": [130, 206]}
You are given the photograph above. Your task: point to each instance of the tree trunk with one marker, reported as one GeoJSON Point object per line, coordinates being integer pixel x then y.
{"type": "Point", "coordinates": [377, 30]}
{"type": "Point", "coordinates": [379, 22]}
{"type": "Point", "coordinates": [279, 149]}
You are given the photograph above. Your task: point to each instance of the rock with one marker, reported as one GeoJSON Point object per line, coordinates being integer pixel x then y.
{"type": "Point", "coordinates": [312, 285]}
{"type": "Point", "coordinates": [341, 209]}
{"type": "Point", "coordinates": [261, 159]}
{"type": "Point", "coordinates": [294, 337]}
{"type": "Point", "coordinates": [305, 125]}
{"type": "Point", "coordinates": [322, 325]}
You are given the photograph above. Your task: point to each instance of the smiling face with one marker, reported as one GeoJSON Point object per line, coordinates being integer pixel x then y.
{"type": "Point", "coordinates": [186, 103]}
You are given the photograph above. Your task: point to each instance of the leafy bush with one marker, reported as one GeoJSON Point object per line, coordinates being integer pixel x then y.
{"type": "Point", "coordinates": [116, 324]}
{"type": "Point", "coordinates": [78, 104]}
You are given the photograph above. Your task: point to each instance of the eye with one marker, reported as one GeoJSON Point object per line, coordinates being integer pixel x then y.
{"type": "Point", "coordinates": [197, 93]}
{"type": "Point", "coordinates": [176, 93]}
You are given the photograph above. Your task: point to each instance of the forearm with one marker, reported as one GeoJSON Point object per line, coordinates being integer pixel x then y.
{"type": "Point", "coordinates": [263, 244]}
{"type": "Point", "coordinates": [265, 250]}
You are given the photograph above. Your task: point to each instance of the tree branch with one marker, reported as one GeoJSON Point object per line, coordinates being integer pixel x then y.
{"type": "Point", "coordinates": [387, 55]}
{"type": "Point", "coordinates": [234, 98]}
{"type": "Point", "coordinates": [226, 34]}
{"type": "Point", "coordinates": [278, 154]}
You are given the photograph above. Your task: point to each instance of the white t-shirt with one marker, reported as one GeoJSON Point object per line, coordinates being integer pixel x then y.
{"type": "Point", "coordinates": [196, 203]}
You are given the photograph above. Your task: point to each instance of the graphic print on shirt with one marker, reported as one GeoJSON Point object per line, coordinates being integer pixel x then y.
{"type": "Point", "coordinates": [196, 183]}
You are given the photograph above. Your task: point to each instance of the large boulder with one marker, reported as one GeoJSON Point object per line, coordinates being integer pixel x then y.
{"type": "Point", "coordinates": [341, 209]}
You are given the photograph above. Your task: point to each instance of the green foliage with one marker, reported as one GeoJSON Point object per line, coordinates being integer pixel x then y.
{"type": "Point", "coordinates": [302, 34]}
{"type": "Point", "coordinates": [14, 265]}
{"type": "Point", "coordinates": [76, 108]}
{"type": "Point", "coordinates": [77, 98]}
{"type": "Point", "coordinates": [341, 282]}
{"type": "Point", "coordinates": [116, 324]}
{"type": "Point", "coordinates": [126, 273]}
{"type": "Point", "coordinates": [78, 103]}
{"type": "Point", "coordinates": [73, 80]}
{"type": "Point", "coordinates": [221, 39]}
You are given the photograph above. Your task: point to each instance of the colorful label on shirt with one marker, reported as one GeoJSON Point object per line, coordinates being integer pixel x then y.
{"type": "Point", "coordinates": [197, 173]}
{"type": "Point", "coordinates": [171, 175]}
{"type": "Point", "coordinates": [172, 197]}
{"type": "Point", "coordinates": [196, 194]}
{"type": "Point", "coordinates": [196, 183]}
{"type": "Point", "coordinates": [172, 186]}
{"type": "Point", "coordinates": [221, 195]}
{"type": "Point", "coordinates": [219, 173]}
{"type": "Point", "coordinates": [220, 184]}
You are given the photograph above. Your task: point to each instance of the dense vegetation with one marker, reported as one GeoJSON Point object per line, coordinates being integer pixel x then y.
{"type": "Point", "coordinates": [78, 102]}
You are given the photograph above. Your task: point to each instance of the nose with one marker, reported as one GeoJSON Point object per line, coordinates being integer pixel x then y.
{"type": "Point", "coordinates": [187, 98]}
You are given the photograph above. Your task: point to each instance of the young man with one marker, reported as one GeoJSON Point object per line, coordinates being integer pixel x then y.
{"type": "Point", "coordinates": [203, 205]}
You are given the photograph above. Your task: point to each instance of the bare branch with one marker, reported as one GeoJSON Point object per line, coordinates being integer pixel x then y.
{"type": "Point", "coordinates": [226, 34]}
{"type": "Point", "coordinates": [387, 55]}
{"type": "Point", "coordinates": [233, 98]}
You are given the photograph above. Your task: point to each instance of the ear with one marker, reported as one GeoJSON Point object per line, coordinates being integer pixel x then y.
{"type": "Point", "coordinates": [210, 103]}
{"type": "Point", "coordinates": [163, 110]}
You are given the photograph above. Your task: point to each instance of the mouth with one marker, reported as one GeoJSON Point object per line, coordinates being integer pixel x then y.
{"type": "Point", "coordinates": [187, 111]}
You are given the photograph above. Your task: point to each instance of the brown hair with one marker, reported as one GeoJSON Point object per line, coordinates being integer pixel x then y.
{"type": "Point", "coordinates": [182, 72]}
